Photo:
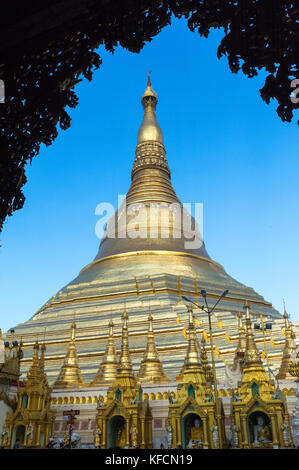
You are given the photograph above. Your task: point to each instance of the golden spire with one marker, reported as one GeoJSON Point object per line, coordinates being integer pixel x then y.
{"type": "Point", "coordinates": [252, 356]}
{"type": "Point", "coordinates": [192, 356]}
{"type": "Point", "coordinates": [108, 368]}
{"type": "Point", "coordinates": [283, 372]}
{"type": "Point", "coordinates": [125, 379]}
{"type": "Point", "coordinates": [34, 375]}
{"type": "Point", "coordinates": [241, 346]}
{"type": "Point", "coordinates": [150, 160]}
{"type": "Point", "coordinates": [149, 129]}
{"type": "Point", "coordinates": [151, 369]}
{"type": "Point", "coordinates": [70, 374]}
{"type": "Point", "coordinates": [193, 370]}
{"type": "Point", "coordinates": [125, 365]}
{"type": "Point", "coordinates": [254, 377]}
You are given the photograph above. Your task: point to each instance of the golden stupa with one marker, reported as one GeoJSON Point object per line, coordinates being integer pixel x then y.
{"type": "Point", "coordinates": [141, 275]}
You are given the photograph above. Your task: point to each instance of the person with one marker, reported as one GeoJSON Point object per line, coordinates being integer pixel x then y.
{"type": "Point", "coordinates": [50, 444]}
{"type": "Point", "coordinates": [17, 444]}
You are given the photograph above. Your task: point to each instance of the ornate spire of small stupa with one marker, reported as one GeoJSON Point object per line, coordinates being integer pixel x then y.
{"type": "Point", "coordinates": [241, 346]}
{"type": "Point", "coordinates": [151, 369]}
{"type": "Point", "coordinates": [149, 129]}
{"type": "Point", "coordinates": [70, 374]}
{"type": "Point", "coordinates": [192, 356]}
{"type": "Point", "coordinates": [193, 370]}
{"type": "Point", "coordinates": [108, 368]}
{"type": "Point", "coordinates": [288, 350]}
{"type": "Point", "coordinates": [252, 357]}
{"type": "Point", "coordinates": [254, 377]}
{"type": "Point", "coordinates": [34, 375]}
{"type": "Point", "coordinates": [124, 364]}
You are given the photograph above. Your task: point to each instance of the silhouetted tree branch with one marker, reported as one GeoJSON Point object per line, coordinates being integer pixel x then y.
{"type": "Point", "coordinates": [51, 47]}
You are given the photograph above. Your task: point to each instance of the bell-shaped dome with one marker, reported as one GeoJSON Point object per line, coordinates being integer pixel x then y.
{"type": "Point", "coordinates": [157, 267]}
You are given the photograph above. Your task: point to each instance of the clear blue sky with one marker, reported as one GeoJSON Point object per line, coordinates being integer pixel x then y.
{"type": "Point", "coordinates": [225, 147]}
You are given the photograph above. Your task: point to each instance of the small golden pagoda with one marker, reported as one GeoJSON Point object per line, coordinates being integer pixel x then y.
{"type": "Point", "coordinates": [70, 375]}
{"type": "Point", "coordinates": [32, 422]}
{"type": "Point", "coordinates": [108, 368]}
{"type": "Point", "coordinates": [288, 352]}
{"type": "Point", "coordinates": [124, 420]}
{"type": "Point", "coordinates": [151, 369]}
{"type": "Point", "coordinates": [205, 365]}
{"type": "Point", "coordinates": [259, 411]}
{"type": "Point", "coordinates": [192, 417]}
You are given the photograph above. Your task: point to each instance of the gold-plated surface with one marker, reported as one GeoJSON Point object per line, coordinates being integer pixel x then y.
{"type": "Point", "coordinates": [151, 369]}
{"type": "Point", "coordinates": [149, 129]}
{"type": "Point", "coordinates": [258, 399]}
{"type": "Point", "coordinates": [241, 347]}
{"type": "Point", "coordinates": [253, 370]}
{"type": "Point", "coordinates": [125, 419]}
{"type": "Point", "coordinates": [288, 351]}
{"type": "Point", "coordinates": [108, 368]}
{"type": "Point", "coordinates": [294, 367]}
{"type": "Point", "coordinates": [125, 364]}
{"type": "Point", "coordinates": [196, 401]}
{"type": "Point", "coordinates": [32, 422]}
{"type": "Point", "coordinates": [193, 371]}
{"type": "Point", "coordinates": [70, 375]}
{"type": "Point", "coordinates": [134, 270]}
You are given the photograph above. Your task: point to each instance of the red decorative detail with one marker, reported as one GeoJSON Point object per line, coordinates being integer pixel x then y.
{"type": "Point", "coordinates": [157, 423]}
{"type": "Point", "coordinates": [240, 354]}
{"type": "Point", "coordinates": [14, 383]}
{"type": "Point", "coordinates": [56, 426]}
{"type": "Point", "coordinates": [84, 425]}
